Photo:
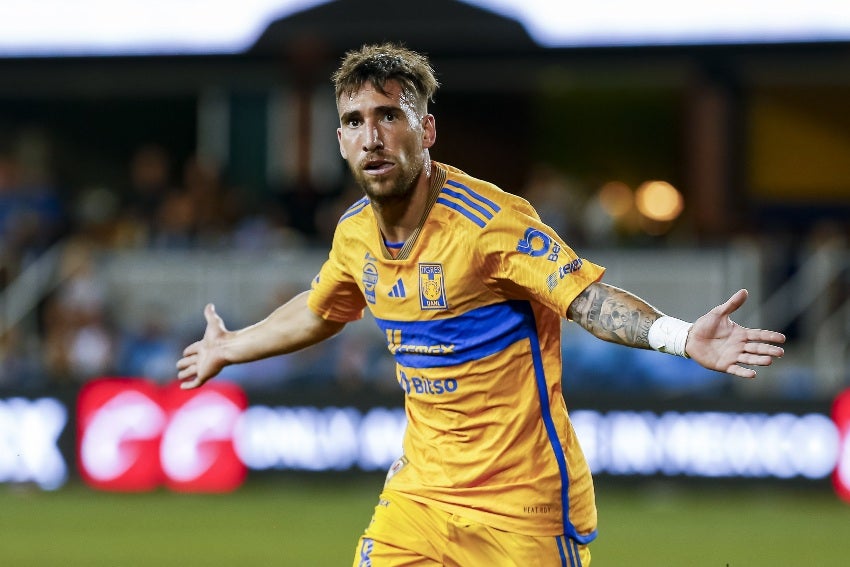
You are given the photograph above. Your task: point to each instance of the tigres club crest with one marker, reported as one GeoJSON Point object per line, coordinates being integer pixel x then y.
{"type": "Point", "coordinates": [432, 289]}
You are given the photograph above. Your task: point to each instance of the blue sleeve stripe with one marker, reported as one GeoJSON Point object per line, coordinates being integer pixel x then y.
{"type": "Point", "coordinates": [495, 208]}
{"type": "Point", "coordinates": [354, 209]}
{"type": "Point", "coordinates": [462, 211]}
{"type": "Point", "coordinates": [487, 214]}
{"type": "Point", "coordinates": [471, 336]}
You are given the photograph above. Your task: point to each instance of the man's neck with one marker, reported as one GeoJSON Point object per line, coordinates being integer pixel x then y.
{"type": "Point", "coordinates": [399, 218]}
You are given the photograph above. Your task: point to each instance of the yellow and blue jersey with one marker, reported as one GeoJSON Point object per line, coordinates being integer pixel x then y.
{"type": "Point", "coordinates": [471, 306]}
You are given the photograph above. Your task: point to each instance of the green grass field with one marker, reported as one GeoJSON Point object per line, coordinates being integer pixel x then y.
{"type": "Point", "coordinates": [305, 522]}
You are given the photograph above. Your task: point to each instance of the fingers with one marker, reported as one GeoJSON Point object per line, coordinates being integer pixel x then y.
{"type": "Point", "coordinates": [733, 303]}
{"type": "Point", "coordinates": [191, 384]}
{"type": "Point", "coordinates": [756, 359]}
{"type": "Point", "coordinates": [757, 354]}
{"type": "Point", "coordinates": [762, 336]}
{"type": "Point", "coordinates": [190, 358]}
{"type": "Point", "coordinates": [190, 350]}
{"type": "Point", "coordinates": [764, 349]}
{"type": "Point", "coordinates": [754, 354]}
{"type": "Point", "coordinates": [188, 374]}
{"type": "Point", "coordinates": [740, 371]}
{"type": "Point", "coordinates": [187, 367]}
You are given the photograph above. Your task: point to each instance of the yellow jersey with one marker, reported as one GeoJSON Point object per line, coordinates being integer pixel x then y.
{"type": "Point", "coordinates": [471, 306]}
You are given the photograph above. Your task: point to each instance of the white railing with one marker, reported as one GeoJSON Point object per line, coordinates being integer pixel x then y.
{"type": "Point", "coordinates": [683, 282]}
{"type": "Point", "coordinates": [817, 296]}
{"type": "Point", "coordinates": [23, 294]}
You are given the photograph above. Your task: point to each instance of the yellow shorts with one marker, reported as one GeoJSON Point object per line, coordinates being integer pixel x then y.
{"type": "Point", "coordinates": [404, 532]}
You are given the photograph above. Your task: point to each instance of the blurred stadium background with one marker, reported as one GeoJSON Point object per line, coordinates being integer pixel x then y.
{"type": "Point", "coordinates": [142, 176]}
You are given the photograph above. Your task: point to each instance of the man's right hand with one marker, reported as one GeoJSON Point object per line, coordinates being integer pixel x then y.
{"type": "Point", "coordinates": [203, 360]}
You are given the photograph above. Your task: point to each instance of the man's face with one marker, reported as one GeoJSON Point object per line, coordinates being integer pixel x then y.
{"type": "Point", "coordinates": [384, 139]}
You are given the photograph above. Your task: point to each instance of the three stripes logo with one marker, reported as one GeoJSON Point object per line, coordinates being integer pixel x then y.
{"type": "Point", "coordinates": [472, 205]}
{"type": "Point", "coordinates": [398, 290]}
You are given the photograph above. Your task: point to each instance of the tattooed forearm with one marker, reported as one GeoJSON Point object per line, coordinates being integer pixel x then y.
{"type": "Point", "coordinates": [595, 311]}
{"type": "Point", "coordinates": [613, 314]}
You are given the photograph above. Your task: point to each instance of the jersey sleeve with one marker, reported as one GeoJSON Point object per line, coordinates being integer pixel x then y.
{"type": "Point", "coordinates": [526, 259]}
{"type": "Point", "coordinates": [334, 293]}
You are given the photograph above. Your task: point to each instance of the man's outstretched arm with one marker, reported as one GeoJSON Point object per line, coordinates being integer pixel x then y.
{"type": "Point", "coordinates": [714, 340]}
{"type": "Point", "coordinates": [289, 328]}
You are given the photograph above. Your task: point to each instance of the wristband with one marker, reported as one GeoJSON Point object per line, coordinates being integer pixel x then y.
{"type": "Point", "coordinates": [668, 334]}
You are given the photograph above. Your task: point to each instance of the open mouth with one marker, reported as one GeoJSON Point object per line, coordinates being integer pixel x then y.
{"type": "Point", "coordinates": [377, 166]}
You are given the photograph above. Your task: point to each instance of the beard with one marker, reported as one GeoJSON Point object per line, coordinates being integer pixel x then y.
{"type": "Point", "coordinates": [395, 186]}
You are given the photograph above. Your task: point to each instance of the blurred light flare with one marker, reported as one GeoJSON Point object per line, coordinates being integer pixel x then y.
{"type": "Point", "coordinates": [659, 201]}
{"type": "Point", "coordinates": [616, 199]}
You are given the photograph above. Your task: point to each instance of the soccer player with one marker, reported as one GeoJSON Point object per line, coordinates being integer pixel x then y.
{"type": "Point", "coordinates": [470, 288]}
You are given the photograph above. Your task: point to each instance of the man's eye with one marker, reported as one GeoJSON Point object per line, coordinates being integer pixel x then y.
{"type": "Point", "coordinates": [353, 123]}
{"type": "Point", "coordinates": [390, 116]}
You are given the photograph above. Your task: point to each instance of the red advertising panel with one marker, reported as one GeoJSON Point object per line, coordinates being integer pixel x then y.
{"type": "Point", "coordinates": [841, 416]}
{"type": "Point", "coordinates": [134, 435]}
{"type": "Point", "coordinates": [196, 450]}
{"type": "Point", "coordinates": [119, 425]}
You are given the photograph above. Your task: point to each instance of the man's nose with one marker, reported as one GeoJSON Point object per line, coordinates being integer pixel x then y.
{"type": "Point", "coordinates": [373, 140]}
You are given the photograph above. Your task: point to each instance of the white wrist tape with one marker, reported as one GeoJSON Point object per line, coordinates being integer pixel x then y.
{"type": "Point", "coordinates": [668, 334]}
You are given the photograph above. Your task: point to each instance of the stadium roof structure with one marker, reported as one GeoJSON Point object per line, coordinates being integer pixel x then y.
{"type": "Point", "coordinates": [440, 27]}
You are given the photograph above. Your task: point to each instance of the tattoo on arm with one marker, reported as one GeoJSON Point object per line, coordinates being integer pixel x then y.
{"type": "Point", "coordinates": [613, 314]}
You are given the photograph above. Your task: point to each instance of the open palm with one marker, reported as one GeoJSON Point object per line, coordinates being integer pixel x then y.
{"type": "Point", "coordinates": [718, 343]}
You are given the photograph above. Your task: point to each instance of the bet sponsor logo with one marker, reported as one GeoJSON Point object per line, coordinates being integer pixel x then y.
{"type": "Point", "coordinates": [537, 243]}
{"type": "Point", "coordinates": [134, 435]}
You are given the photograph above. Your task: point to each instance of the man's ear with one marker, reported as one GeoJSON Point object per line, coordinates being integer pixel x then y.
{"type": "Point", "coordinates": [339, 139]}
{"type": "Point", "coordinates": [429, 131]}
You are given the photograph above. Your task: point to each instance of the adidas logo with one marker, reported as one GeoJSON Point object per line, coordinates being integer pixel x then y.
{"type": "Point", "coordinates": [398, 290]}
